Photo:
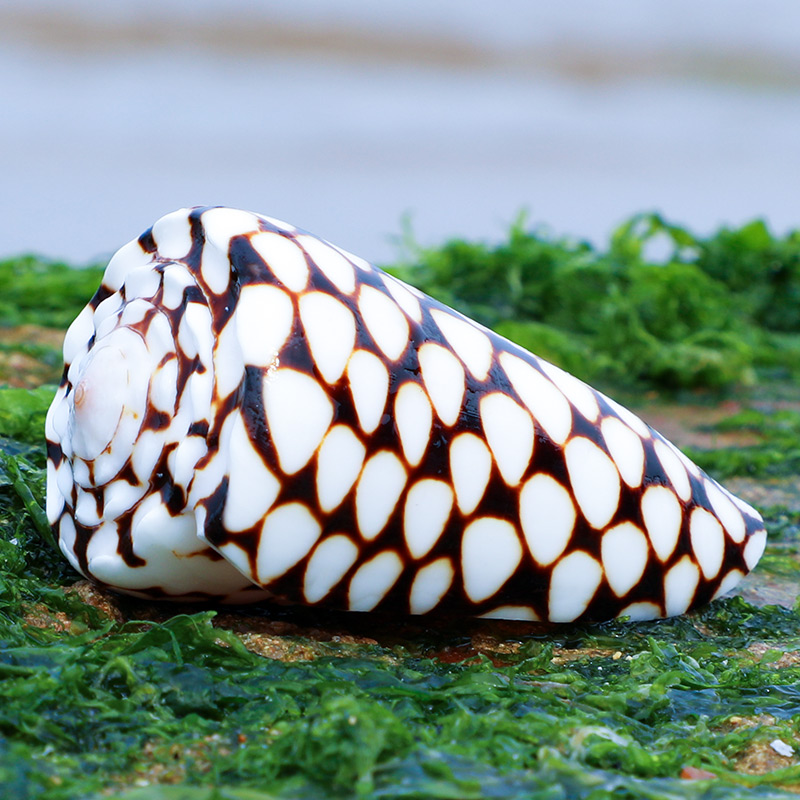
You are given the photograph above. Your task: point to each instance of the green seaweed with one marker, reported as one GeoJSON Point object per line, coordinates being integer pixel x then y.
{"type": "Point", "coordinates": [707, 313]}
{"type": "Point", "coordinates": [38, 291]}
{"type": "Point", "coordinates": [170, 704]}
{"type": "Point", "coordinates": [659, 307]}
{"type": "Point", "coordinates": [90, 706]}
{"type": "Point", "coordinates": [22, 413]}
{"type": "Point", "coordinates": [776, 454]}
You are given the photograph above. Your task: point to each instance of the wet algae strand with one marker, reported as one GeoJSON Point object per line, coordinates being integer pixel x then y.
{"type": "Point", "coordinates": [103, 697]}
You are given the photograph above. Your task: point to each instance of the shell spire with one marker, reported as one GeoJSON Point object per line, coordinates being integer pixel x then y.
{"type": "Point", "coordinates": [248, 411]}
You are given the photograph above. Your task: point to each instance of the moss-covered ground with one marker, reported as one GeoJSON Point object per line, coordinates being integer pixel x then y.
{"type": "Point", "coordinates": [108, 697]}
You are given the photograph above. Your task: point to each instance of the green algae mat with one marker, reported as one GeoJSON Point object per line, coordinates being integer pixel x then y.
{"type": "Point", "coordinates": [108, 697]}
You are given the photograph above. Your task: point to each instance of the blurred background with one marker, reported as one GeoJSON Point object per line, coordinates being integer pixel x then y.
{"type": "Point", "coordinates": [347, 117]}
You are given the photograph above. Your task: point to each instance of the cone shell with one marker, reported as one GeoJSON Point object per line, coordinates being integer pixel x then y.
{"type": "Point", "coordinates": [248, 411]}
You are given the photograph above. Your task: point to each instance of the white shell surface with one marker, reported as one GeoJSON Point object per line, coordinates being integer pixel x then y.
{"type": "Point", "coordinates": [264, 316]}
{"type": "Point", "coordinates": [284, 258]}
{"type": "Point", "coordinates": [624, 552]}
{"type": "Point", "coordinates": [385, 322]}
{"type": "Point", "coordinates": [662, 515]}
{"type": "Point", "coordinates": [298, 412]}
{"type": "Point", "coordinates": [544, 400]}
{"type": "Point", "coordinates": [373, 580]}
{"type": "Point", "coordinates": [413, 416]}
{"type": "Point", "coordinates": [509, 432]}
{"type": "Point", "coordinates": [573, 583]}
{"type": "Point", "coordinates": [369, 385]}
{"type": "Point", "coordinates": [626, 450]}
{"type": "Point", "coordinates": [173, 234]}
{"type": "Point", "coordinates": [470, 468]}
{"type": "Point", "coordinates": [327, 566]}
{"type": "Point", "coordinates": [594, 479]}
{"type": "Point", "coordinates": [252, 488]}
{"type": "Point", "coordinates": [547, 514]}
{"type": "Point", "coordinates": [577, 392]}
{"type": "Point", "coordinates": [330, 329]}
{"type": "Point", "coordinates": [427, 509]}
{"type": "Point", "coordinates": [287, 536]}
{"type": "Point", "coordinates": [332, 263]}
{"type": "Point", "coordinates": [404, 297]}
{"type": "Point", "coordinates": [430, 586]}
{"type": "Point", "coordinates": [339, 462]}
{"type": "Point", "coordinates": [490, 553]}
{"type": "Point", "coordinates": [468, 341]}
{"type": "Point", "coordinates": [379, 488]}
{"type": "Point", "coordinates": [680, 584]}
{"type": "Point", "coordinates": [444, 381]}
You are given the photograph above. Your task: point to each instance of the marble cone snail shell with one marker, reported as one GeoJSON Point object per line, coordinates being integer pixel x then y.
{"type": "Point", "coordinates": [248, 411]}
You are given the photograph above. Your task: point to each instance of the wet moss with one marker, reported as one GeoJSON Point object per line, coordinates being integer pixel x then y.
{"type": "Point", "coordinates": [93, 702]}
{"type": "Point", "coordinates": [106, 697]}
{"type": "Point", "coordinates": [659, 307]}
{"type": "Point", "coordinates": [100, 695]}
{"type": "Point", "coordinates": [776, 452]}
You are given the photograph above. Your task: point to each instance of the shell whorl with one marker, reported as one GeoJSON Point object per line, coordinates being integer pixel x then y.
{"type": "Point", "coordinates": [248, 411]}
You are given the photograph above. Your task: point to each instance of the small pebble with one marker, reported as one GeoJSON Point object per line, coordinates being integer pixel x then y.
{"type": "Point", "coordinates": [781, 748]}
{"type": "Point", "coordinates": [696, 774]}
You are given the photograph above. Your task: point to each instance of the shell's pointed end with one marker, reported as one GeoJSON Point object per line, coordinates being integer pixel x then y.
{"type": "Point", "coordinates": [754, 548]}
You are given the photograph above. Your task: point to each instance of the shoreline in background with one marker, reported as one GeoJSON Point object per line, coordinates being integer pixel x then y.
{"type": "Point", "coordinates": [348, 121]}
{"type": "Point", "coordinates": [73, 29]}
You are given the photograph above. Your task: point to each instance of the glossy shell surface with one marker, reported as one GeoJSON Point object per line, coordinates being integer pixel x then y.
{"type": "Point", "coordinates": [248, 411]}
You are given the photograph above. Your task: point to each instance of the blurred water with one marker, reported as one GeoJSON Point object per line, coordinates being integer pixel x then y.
{"type": "Point", "coordinates": [344, 117]}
